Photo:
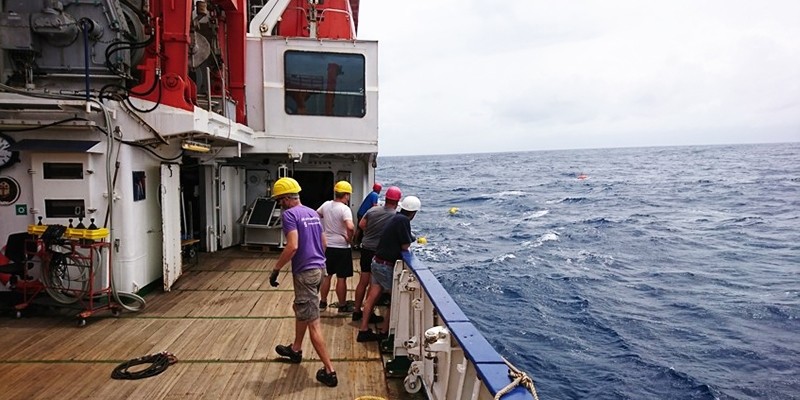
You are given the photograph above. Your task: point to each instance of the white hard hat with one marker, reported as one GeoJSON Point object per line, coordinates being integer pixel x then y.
{"type": "Point", "coordinates": [410, 203]}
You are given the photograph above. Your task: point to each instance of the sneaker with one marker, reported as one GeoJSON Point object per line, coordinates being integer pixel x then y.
{"type": "Point", "coordinates": [323, 304]}
{"type": "Point", "coordinates": [286, 351]}
{"type": "Point", "coordinates": [347, 308]}
{"type": "Point", "coordinates": [386, 346]}
{"type": "Point", "coordinates": [326, 378]}
{"type": "Point", "coordinates": [385, 300]}
{"type": "Point", "coordinates": [373, 319]}
{"type": "Point", "coordinates": [369, 336]}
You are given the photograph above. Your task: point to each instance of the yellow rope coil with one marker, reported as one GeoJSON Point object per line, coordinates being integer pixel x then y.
{"type": "Point", "coordinates": [518, 378]}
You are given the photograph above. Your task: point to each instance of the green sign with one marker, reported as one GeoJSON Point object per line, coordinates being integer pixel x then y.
{"type": "Point", "coordinates": [22, 209]}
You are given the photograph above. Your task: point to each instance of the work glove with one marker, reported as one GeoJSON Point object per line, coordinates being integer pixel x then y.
{"type": "Point", "coordinates": [273, 278]}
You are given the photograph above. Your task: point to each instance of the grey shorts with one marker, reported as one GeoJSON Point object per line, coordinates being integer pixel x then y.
{"type": "Point", "coordinates": [382, 274]}
{"type": "Point", "coordinates": [306, 294]}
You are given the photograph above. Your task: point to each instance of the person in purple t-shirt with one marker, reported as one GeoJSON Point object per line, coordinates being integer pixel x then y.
{"type": "Point", "coordinates": [305, 247]}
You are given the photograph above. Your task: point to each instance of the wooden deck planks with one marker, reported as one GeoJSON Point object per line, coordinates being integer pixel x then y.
{"type": "Point", "coordinates": [222, 320]}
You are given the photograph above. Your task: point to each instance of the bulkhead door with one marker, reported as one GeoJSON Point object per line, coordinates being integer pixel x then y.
{"type": "Point", "coordinates": [171, 223]}
{"type": "Point", "coordinates": [231, 204]}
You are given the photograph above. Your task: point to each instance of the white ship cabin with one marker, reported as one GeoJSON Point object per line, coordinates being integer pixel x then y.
{"type": "Point", "coordinates": [177, 137]}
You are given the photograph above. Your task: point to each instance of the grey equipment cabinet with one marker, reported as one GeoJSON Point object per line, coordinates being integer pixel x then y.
{"type": "Point", "coordinates": [262, 223]}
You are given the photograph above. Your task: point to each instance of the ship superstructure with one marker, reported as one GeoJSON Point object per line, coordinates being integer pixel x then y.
{"type": "Point", "coordinates": [166, 121]}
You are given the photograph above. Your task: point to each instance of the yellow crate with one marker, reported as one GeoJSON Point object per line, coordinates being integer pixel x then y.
{"type": "Point", "coordinates": [37, 230]}
{"type": "Point", "coordinates": [94, 234]}
{"type": "Point", "coordinates": [72, 233]}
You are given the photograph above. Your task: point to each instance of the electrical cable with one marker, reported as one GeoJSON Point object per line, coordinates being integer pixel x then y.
{"type": "Point", "coordinates": [149, 150]}
{"type": "Point", "coordinates": [135, 302]}
{"type": "Point", "coordinates": [134, 144]}
{"type": "Point", "coordinates": [63, 121]}
{"type": "Point", "coordinates": [121, 45]}
{"type": "Point", "coordinates": [158, 99]}
{"type": "Point", "coordinates": [158, 364]}
{"type": "Point", "coordinates": [42, 95]}
{"type": "Point", "coordinates": [58, 273]}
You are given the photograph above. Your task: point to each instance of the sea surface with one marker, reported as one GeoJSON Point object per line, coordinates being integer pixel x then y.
{"type": "Point", "coordinates": [667, 273]}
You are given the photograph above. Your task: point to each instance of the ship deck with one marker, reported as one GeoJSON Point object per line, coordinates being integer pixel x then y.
{"type": "Point", "coordinates": [222, 321]}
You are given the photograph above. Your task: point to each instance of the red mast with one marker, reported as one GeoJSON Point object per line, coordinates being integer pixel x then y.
{"type": "Point", "coordinates": [165, 68]}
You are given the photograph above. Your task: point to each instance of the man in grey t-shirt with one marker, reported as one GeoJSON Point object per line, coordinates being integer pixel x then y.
{"type": "Point", "coordinates": [372, 224]}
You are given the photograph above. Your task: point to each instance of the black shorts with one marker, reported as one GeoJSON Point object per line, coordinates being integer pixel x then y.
{"type": "Point", "coordinates": [366, 259]}
{"type": "Point", "coordinates": [339, 262]}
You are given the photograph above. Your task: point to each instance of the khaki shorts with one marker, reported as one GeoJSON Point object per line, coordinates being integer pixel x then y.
{"type": "Point", "coordinates": [306, 294]}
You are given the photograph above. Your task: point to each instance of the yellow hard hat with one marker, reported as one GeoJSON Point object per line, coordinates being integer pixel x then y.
{"type": "Point", "coordinates": [343, 187]}
{"type": "Point", "coordinates": [285, 186]}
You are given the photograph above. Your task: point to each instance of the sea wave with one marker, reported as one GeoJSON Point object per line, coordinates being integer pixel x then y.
{"type": "Point", "coordinates": [680, 284]}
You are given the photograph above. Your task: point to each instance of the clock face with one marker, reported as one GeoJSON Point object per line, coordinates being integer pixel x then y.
{"type": "Point", "coordinates": [7, 156]}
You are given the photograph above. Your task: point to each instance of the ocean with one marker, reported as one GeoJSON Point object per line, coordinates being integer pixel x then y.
{"type": "Point", "coordinates": [667, 273]}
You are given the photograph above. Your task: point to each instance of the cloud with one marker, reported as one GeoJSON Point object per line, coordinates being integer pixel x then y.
{"type": "Point", "coordinates": [473, 76]}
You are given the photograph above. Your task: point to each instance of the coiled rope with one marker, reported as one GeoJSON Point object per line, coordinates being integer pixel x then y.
{"type": "Point", "coordinates": [519, 378]}
{"type": "Point", "coordinates": [158, 364]}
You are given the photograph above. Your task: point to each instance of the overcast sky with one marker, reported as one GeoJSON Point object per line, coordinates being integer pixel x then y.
{"type": "Point", "coordinates": [483, 76]}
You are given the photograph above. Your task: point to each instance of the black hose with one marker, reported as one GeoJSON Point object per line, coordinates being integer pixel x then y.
{"type": "Point", "coordinates": [156, 155]}
{"type": "Point", "coordinates": [158, 364]}
{"type": "Point", "coordinates": [113, 185]}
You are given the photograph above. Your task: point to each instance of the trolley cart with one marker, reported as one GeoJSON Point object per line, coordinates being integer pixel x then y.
{"type": "Point", "coordinates": [76, 270]}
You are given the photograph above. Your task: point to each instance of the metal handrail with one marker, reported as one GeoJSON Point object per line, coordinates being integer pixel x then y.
{"type": "Point", "coordinates": [423, 323]}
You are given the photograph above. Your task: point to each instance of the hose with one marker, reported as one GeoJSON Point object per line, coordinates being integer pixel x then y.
{"type": "Point", "coordinates": [137, 300]}
{"type": "Point", "coordinates": [158, 364]}
{"type": "Point", "coordinates": [140, 303]}
{"type": "Point", "coordinates": [62, 272]}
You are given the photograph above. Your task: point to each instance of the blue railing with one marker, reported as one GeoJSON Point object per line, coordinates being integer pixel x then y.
{"type": "Point", "coordinates": [490, 366]}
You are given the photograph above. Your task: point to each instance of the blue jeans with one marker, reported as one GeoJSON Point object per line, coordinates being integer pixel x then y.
{"type": "Point", "coordinates": [382, 274]}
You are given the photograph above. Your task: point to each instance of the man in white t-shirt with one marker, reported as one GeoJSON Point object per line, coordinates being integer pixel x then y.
{"type": "Point", "coordinates": [337, 224]}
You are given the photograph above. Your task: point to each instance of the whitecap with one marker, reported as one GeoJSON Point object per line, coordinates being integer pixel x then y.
{"type": "Point", "coordinates": [504, 257]}
{"type": "Point", "coordinates": [510, 193]}
{"type": "Point", "coordinates": [535, 214]}
{"type": "Point", "coordinates": [547, 237]}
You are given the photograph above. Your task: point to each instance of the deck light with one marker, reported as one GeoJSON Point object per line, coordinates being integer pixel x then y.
{"type": "Point", "coordinates": [192, 145]}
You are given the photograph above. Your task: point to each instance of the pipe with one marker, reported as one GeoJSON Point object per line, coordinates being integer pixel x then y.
{"type": "Point", "coordinates": [110, 184]}
{"type": "Point", "coordinates": [85, 23]}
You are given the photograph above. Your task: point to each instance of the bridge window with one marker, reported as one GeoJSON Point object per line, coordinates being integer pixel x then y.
{"type": "Point", "coordinates": [327, 84]}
